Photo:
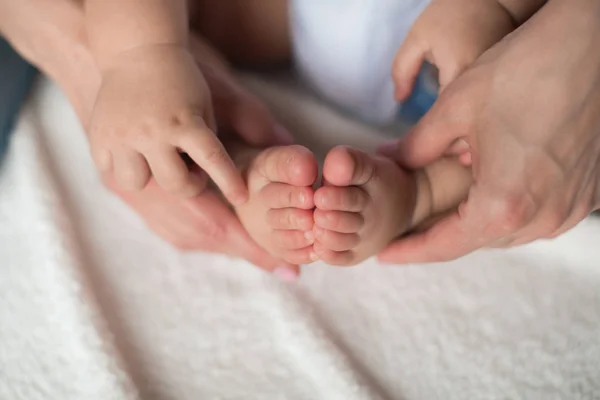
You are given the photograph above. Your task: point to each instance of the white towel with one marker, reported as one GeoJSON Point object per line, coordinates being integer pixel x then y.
{"type": "Point", "coordinates": [93, 306]}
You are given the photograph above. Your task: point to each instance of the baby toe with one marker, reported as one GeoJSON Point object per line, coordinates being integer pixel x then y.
{"type": "Point", "coordinates": [337, 258]}
{"type": "Point", "coordinates": [336, 241]}
{"type": "Point", "coordinates": [345, 166]}
{"type": "Point", "coordinates": [301, 256]}
{"type": "Point", "coordinates": [331, 198]}
{"type": "Point", "coordinates": [292, 240]}
{"type": "Point", "coordinates": [282, 195]}
{"type": "Point", "coordinates": [290, 219]}
{"type": "Point", "coordinates": [339, 221]}
{"type": "Point", "coordinates": [295, 165]}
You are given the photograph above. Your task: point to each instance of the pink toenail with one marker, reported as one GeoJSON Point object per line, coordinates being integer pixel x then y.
{"type": "Point", "coordinates": [302, 198]}
{"type": "Point", "coordinates": [310, 236]}
{"type": "Point", "coordinates": [285, 274]}
{"type": "Point", "coordinates": [313, 257]}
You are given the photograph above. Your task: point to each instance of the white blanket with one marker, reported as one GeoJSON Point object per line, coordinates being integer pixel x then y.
{"type": "Point", "coordinates": [94, 306]}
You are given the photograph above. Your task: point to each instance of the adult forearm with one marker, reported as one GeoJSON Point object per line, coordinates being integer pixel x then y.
{"type": "Point", "coordinates": [50, 35]}
{"type": "Point", "coordinates": [37, 29]}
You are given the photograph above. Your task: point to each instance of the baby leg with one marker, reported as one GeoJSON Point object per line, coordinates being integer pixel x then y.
{"type": "Point", "coordinates": [367, 201]}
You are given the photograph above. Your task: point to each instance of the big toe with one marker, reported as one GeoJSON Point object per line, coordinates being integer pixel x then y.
{"type": "Point", "coordinates": [345, 166]}
{"type": "Point", "coordinates": [294, 165]}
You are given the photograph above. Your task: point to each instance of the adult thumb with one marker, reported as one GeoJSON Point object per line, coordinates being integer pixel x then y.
{"type": "Point", "coordinates": [429, 139]}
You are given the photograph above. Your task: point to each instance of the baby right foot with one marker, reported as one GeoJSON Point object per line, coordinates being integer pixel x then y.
{"type": "Point", "coordinates": [278, 214]}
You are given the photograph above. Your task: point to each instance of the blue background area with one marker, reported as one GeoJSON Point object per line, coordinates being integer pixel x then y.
{"type": "Point", "coordinates": [422, 97]}
{"type": "Point", "coordinates": [16, 79]}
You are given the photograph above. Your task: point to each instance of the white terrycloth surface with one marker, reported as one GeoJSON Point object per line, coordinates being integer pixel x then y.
{"type": "Point", "coordinates": [93, 306]}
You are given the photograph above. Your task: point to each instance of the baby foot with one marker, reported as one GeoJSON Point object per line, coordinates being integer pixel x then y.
{"type": "Point", "coordinates": [366, 201]}
{"type": "Point", "coordinates": [279, 212]}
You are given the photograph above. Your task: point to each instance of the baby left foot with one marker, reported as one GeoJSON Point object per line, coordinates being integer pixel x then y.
{"type": "Point", "coordinates": [365, 203]}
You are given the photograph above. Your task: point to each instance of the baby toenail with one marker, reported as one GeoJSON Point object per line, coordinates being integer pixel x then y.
{"type": "Point", "coordinates": [310, 236]}
{"type": "Point", "coordinates": [313, 257]}
{"type": "Point", "coordinates": [302, 198]}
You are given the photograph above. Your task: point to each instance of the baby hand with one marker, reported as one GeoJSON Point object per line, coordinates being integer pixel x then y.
{"type": "Point", "coordinates": [450, 34]}
{"type": "Point", "coordinates": [153, 105]}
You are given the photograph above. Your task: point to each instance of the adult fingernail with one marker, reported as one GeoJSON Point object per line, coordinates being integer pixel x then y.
{"type": "Point", "coordinates": [285, 274]}
{"type": "Point", "coordinates": [282, 135]}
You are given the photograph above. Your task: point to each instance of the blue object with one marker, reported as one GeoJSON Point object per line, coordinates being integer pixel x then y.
{"type": "Point", "coordinates": [423, 96]}
{"type": "Point", "coordinates": [16, 79]}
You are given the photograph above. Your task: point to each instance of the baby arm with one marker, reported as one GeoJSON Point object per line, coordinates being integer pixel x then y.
{"type": "Point", "coordinates": [450, 34]}
{"type": "Point", "coordinates": [116, 27]}
{"type": "Point", "coordinates": [153, 102]}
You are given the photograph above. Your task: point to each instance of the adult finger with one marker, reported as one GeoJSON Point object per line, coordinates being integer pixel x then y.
{"type": "Point", "coordinates": [447, 240]}
{"type": "Point", "coordinates": [209, 153]}
{"type": "Point", "coordinates": [447, 121]}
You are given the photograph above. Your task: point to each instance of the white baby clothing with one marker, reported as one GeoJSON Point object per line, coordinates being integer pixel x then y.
{"type": "Point", "coordinates": [345, 49]}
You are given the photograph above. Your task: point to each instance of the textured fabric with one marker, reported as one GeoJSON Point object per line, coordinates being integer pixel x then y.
{"type": "Point", "coordinates": [16, 77]}
{"type": "Point", "coordinates": [93, 306]}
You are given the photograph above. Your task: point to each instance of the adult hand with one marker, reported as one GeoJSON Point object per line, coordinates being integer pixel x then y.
{"type": "Point", "coordinates": [56, 45]}
{"type": "Point", "coordinates": [529, 111]}
{"type": "Point", "coordinates": [205, 223]}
